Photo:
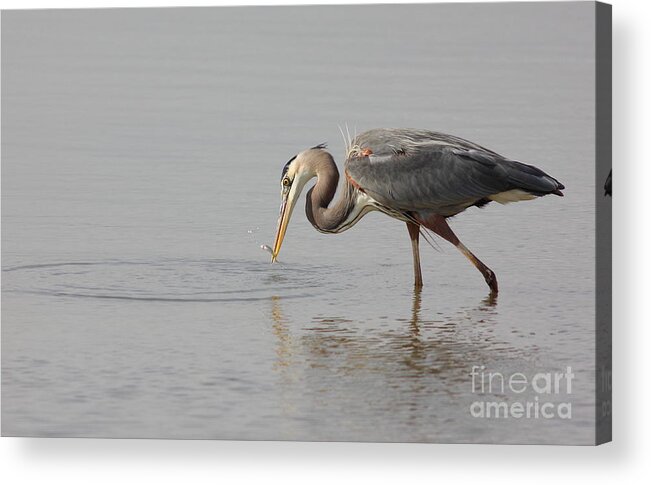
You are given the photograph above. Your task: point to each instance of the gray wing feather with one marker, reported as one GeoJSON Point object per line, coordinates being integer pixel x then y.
{"type": "Point", "coordinates": [522, 176]}
{"type": "Point", "coordinates": [412, 170]}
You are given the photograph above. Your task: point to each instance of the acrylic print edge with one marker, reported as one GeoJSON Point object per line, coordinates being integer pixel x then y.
{"type": "Point", "coordinates": [603, 204]}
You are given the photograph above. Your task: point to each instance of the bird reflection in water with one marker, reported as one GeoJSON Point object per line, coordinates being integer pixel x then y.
{"type": "Point", "coordinates": [382, 377]}
{"type": "Point", "coordinates": [282, 333]}
{"type": "Point", "coordinates": [407, 347]}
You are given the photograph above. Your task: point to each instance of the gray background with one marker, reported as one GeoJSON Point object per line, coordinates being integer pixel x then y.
{"type": "Point", "coordinates": [141, 152]}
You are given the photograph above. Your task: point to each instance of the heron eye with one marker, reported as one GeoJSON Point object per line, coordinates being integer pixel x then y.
{"type": "Point", "coordinates": [285, 182]}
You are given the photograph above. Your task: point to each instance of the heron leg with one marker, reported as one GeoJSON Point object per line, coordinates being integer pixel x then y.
{"type": "Point", "coordinates": [439, 225]}
{"type": "Point", "coordinates": [414, 234]}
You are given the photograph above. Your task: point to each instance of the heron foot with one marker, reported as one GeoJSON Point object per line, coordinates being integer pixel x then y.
{"type": "Point", "coordinates": [491, 280]}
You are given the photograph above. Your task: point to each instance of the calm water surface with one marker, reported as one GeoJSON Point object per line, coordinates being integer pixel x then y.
{"type": "Point", "coordinates": [141, 156]}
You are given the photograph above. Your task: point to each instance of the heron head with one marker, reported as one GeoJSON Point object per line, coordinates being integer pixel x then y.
{"type": "Point", "coordinates": [296, 173]}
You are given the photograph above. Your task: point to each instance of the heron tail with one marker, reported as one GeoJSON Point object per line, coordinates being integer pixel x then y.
{"type": "Point", "coordinates": [532, 180]}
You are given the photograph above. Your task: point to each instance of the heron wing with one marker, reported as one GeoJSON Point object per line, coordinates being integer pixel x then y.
{"type": "Point", "coordinates": [413, 170]}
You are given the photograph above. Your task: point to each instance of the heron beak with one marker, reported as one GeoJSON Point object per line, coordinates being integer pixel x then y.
{"type": "Point", "coordinates": [286, 208]}
{"type": "Point", "coordinates": [290, 195]}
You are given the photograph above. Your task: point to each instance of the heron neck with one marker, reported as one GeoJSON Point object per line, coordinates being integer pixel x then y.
{"type": "Point", "coordinates": [320, 213]}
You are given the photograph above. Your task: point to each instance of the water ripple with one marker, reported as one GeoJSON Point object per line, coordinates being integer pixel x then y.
{"type": "Point", "coordinates": [168, 280]}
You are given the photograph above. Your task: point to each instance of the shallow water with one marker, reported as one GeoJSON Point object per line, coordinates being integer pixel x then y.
{"type": "Point", "coordinates": [141, 155]}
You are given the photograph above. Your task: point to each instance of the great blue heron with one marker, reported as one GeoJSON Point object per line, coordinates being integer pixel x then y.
{"type": "Point", "coordinates": [417, 176]}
